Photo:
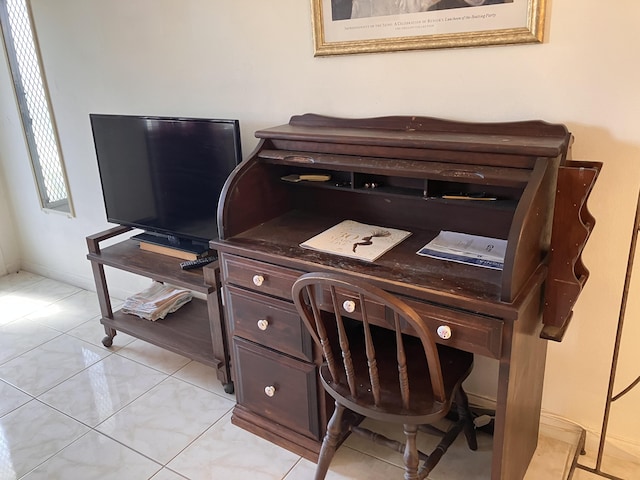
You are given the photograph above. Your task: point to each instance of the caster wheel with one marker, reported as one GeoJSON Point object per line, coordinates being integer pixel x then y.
{"type": "Point", "coordinates": [228, 388]}
{"type": "Point", "coordinates": [107, 341]}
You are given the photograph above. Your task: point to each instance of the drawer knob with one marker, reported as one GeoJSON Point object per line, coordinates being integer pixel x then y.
{"type": "Point", "coordinates": [263, 324]}
{"type": "Point", "coordinates": [269, 390]}
{"type": "Point", "coordinates": [444, 332]}
{"type": "Point", "coordinates": [258, 280]}
{"type": "Point", "coordinates": [349, 306]}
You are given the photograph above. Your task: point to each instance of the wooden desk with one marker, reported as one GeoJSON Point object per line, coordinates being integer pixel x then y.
{"type": "Point", "coordinates": [413, 161]}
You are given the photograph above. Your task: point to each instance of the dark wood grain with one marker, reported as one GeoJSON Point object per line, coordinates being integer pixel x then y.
{"type": "Point", "coordinates": [412, 161]}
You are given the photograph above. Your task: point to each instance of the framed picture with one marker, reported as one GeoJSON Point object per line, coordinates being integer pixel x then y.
{"type": "Point", "coordinates": [366, 26]}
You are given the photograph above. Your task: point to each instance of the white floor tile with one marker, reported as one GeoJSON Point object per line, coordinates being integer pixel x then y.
{"type": "Point", "coordinates": [95, 457]}
{"type": "Point", "coordinates": [11, 398]}
{"type": "Point", "coordinates": [21, 336]}
{"type": "Point", "coordinates": [93, 332]}
{"type": "Point", "coordinates": [166, 419]}
{"type": "Point", "coordinates": [203, 376]}
{"type": "Point", "coordinates": [46, 366]}
{"type": "Point", "coordinates": [16, 281]}
{"type": "Point", "coordinates": [226, 451]}
{"type": "Point", "coordinates": [152, 356]}
{"type": "Point", "coordinates": [49, 291]}
{"type": "Point", "coordinates": [101, 390]}
{"type": "Point", "coordinates": [31, 434]}
{"type": "Point", "coordinates": [69, 312]}
{"type": "Point", "coordinates": [166, 474]}
{"type": "Point", "coordinates": [349, 464]}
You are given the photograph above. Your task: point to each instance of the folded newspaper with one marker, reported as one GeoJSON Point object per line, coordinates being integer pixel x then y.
{"type": "Point", "coordinates": [156, 301]}
{"type": "Point", "coordinates": [469, 249]}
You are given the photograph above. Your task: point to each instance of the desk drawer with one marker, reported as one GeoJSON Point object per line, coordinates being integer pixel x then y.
{"type": "Point", "coordinates": [277, 387]}
{"type": "Point", "coordinates": [259, 276]}
{"type": "Point", "coordinates": [268, 321]}
{"type": "Point", "coordinates": [473, 333]}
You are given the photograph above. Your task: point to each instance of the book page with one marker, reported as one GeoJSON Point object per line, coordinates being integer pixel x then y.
{"type": "Point", "coordinates": [356, 240]}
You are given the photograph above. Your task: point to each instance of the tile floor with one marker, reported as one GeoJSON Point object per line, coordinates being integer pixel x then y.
{"type": "Point", "coordinates": [71, 408]}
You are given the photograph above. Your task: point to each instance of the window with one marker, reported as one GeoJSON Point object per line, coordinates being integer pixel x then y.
{"type": "Point", "coordinates": [33, 101]}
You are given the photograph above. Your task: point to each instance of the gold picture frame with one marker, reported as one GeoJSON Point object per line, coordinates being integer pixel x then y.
{"type": "Point", "coordinates": [380, 29]}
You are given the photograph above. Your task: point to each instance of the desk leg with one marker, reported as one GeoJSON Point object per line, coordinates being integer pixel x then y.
{"type": "Point", "coordinates": [520, 382]}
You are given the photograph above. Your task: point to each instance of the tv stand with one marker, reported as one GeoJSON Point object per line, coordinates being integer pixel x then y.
{"type": "Point", "coordinates": [196, 330]}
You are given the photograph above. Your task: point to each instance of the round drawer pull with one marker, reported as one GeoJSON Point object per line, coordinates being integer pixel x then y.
{"type": "Point", "coordinates": [263, 324]}
{"type": "Point", "coordinates": [349, 306]}
{"type": "Point", "coordinates": [269, 390]}
{"type": "Point", "coordinates": [444, 332]}
{"type": "Point", "coordinates": [258, 280]}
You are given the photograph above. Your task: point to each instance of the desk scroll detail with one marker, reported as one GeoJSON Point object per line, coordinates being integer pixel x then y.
{"type": "Point", "coordinates": [572, 226]}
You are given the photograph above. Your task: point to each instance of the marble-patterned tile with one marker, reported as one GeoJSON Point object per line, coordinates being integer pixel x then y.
{"type": "Point", "coordinates": [105, 387]}
{"type": "Point", "coordinates": [620, 467]}
{"type": "Point", "coordinates": [349, 464]}
{"type": "Point", "coordinates": [92, 331]}
{"type": "Point", "coordinates": [166, 474]}
{"type": "Point", "coordinates": [226, 451]}
{"type": "Point", "coordinates": [48, 290]}
{"type": "Point", "coordinates": [11, 398]}
{"type": "Point", "coordinates": [153, 356]}
{"type": "Point", "coordinates": [458, 462]}
{"type": "Point", "coordinates": [46, 366]}
{"type": "Point", "coordinates": [166, 419]}
{"type": "Point", "coordinates": [14, 305]}
{"type": "Point", "coordinates": [619, 459]}
{"type": "Point", "coordinates": [580, 474]}
{"type": "Point", "coordinates": [21, 336]}
{"type": "Point", "coordinates": [31, 434]}
{"type": "Point", "coordinates": [552, 459]}
{"type": "Point", "coordinates": [15, 281]}
{"type": "Point", "coordinates": [69, 312]}
{"type": "Point", "coordinates": [203, 376]}
{"type": "Point", "coordinates": [95, 457]}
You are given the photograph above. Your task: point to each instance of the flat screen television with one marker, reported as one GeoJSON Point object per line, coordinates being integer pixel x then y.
{"type": "Point", "coordinates": [164, 175]}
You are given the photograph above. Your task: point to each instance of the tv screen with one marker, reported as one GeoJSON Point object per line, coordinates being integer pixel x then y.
{"type": "Point", "coordinates": [164, 175]}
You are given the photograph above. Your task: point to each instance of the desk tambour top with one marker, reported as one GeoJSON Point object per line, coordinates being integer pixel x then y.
{"type": "Point", "coordinates": [414, 161]}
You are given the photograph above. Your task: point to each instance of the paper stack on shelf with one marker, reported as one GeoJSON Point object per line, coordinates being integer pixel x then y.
{"type": "Point", "coordinates": [156, 301]}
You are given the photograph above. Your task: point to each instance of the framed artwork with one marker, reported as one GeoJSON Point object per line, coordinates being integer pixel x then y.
{"type": "Point", "coordinates": [366, 26]}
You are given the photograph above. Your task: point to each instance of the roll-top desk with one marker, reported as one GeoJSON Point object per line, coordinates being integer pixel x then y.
{"type": "Point", "coordinates": [412, 163]}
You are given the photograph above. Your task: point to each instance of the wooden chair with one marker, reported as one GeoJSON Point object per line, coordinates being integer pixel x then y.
{"type": "Point", "coordinates": [375, 371]}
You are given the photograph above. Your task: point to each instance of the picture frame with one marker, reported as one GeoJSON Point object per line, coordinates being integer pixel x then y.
{"type": "Point", "coordinates": [368, 26]}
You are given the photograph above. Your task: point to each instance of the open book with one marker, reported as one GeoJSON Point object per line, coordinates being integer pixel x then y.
{"type": "Point", "coordinates": [470, 249]}
{"type": "Point", "coordinates": [356, 240]}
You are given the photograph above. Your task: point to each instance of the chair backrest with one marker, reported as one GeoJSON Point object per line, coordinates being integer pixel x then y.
{"type": "Point", "coordinates": [323, 300]}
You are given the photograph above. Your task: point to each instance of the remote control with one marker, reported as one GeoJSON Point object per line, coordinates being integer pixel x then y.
{"type": "Point", "coordinates": [197, 263]}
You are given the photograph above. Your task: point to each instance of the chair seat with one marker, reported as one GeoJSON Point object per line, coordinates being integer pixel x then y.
{"type": "Point", "coordinates": [423, 408]}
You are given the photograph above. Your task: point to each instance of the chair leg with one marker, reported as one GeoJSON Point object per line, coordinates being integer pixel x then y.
{"type": "Point", "coordinates": [330, 442]}
{"type": "Point", "coordinates": [411, 458]}
{"type": "Point", "coordinates": [466, 417]}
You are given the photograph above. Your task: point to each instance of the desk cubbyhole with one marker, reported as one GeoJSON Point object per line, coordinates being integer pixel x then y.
{"type": "Point", "coordinates": [387, 184]}
{"type": "Point", "coordinates": [436, 189]}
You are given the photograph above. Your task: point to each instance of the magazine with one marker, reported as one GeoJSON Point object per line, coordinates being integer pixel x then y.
{"type": "Point", "coordinates": [356, 240]}
{"type": "Point", "coordinates": [469, 249]}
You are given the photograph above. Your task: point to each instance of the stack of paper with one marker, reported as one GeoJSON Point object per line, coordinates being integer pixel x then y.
{"type": "Point", "coordinates": [470, 249]}
{"type": "Point", "coordinates": [156, 301]}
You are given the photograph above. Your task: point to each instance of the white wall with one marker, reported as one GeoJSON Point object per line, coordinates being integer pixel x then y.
{"type": "Point", "coordinates": [9, 250]}
{"type": "Point", "coordinates": [253, 61]}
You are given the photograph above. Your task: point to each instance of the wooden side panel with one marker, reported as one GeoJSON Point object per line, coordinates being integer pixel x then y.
{"type": "Point", "coordinates": [572, 225]}
{"type": "Point", "coordinates": [530, 233]}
